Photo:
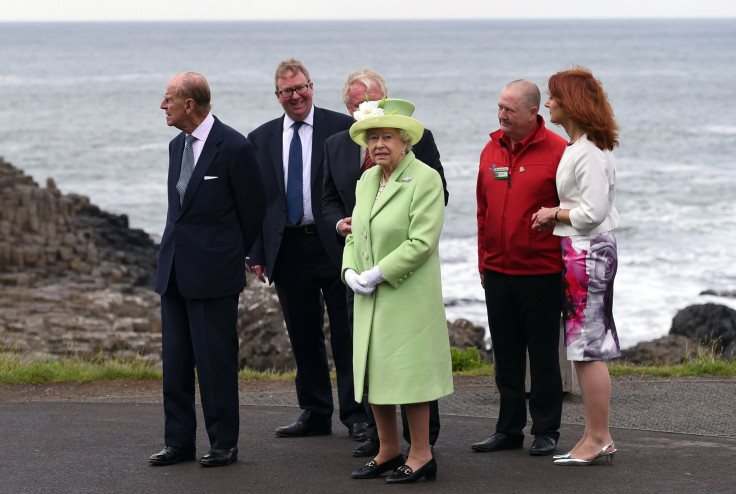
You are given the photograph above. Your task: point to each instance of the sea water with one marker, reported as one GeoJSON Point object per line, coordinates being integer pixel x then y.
{"type": "Point", "coordinates": [80, 104]}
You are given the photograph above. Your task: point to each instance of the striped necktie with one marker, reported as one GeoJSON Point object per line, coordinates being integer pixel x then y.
{"type": "Point", "coordinates": [367, 162]}
{"type": "Point", "coordinates": [187, 167]}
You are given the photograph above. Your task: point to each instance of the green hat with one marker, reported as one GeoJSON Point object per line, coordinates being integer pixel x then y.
{"type": "Point", "coordinates": [387, 113]}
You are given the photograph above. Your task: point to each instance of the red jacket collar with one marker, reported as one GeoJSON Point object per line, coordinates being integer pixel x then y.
{"type": "Point", "coordinates": [537, 134]}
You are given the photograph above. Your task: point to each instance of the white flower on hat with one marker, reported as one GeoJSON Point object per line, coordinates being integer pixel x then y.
{"type": "Point", "coordinates": [368, 109]}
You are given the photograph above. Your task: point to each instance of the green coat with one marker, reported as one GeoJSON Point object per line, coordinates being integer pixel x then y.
{"type": "Point", "coordinates": [401, 346]}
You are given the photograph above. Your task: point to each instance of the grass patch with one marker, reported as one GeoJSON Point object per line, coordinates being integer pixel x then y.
{"type": "Point", "coordinates": [14, 370]}
{"type": "Point", "coordinates": [703, 360]}
{"type": "Point", "coordinates": [270, 375]}
{"type": "Point", "coordinates": [469, 363]}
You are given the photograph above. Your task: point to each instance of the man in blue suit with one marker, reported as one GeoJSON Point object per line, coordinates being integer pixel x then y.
{"type": "Point", "coordinates": [297, 251]}
{"type": "Point", "coordinates": [216, 206]}
{"type": "Point", "coordinates": [344, 163]}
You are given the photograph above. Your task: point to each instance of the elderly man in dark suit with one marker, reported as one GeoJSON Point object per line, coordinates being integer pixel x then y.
{"type": "Point", "coordinates": [216, 205]}
{"type": "Point", "coordinates": [344, 163]}
{"type": "Point", "coordinates": [298, 253]}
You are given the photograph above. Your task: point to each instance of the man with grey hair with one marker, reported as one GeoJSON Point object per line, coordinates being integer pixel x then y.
{"type": "Point", "coordinates": [216, 205]}
{"type": "Point", "coordinates": [520, 269]}
{"type": "Point", "coordinates": [344, 163]}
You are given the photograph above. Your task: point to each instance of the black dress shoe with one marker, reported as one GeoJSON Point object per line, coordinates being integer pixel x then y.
{"type": "Point", "coordinates": [498, 442]}
{"type": "Point", "coordinates": [405, 475]}
{"type": "Point", "coordinates": [371, 470]}
{"type": "Point", "coordinates": [300, 429]}
{"type": "Point", "coordinates": [367, 448]}
{"type": "Point", "coordinates": [543, 446]}
{"type": "Point", "coordinates": [358, 431]}
{"type": "Point", "coordinates": [219, 457]}
{"type": "Point", "coordinates": [170, 455]}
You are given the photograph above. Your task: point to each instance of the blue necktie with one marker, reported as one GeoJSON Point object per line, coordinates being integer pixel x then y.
{"type": "Point", "coordinates": [187, 167]}
{"type": "Point", "coordinates": [294, 195]}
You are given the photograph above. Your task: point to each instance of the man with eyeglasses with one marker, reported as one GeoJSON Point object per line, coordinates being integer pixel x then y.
{"type": "Point", "coordinates": [345, 162]}
{"type": "Point", "coordinates": [296, 252]}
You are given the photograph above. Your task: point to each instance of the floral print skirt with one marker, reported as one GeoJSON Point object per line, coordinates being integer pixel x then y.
{"type": "Point", "coordinates": [590, 263]}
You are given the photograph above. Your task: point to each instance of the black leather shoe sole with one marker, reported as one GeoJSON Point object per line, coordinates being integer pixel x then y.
{"type": "Point", "coordinates": [405, 475]}
{"type": "Point", "coordinates": [219, 457]}
{"type": "Point", "coordinates": [358, 431]}
{"type": "Point", "coordinates": [543, 446]}
{"type": "Point", "coordinates": [495, 443]}
{"type": "Point", "coordinates": [366, 448]}
{"type": "Point", "coordinates": [170, 456]}
{"type": "Point", "coordinates": [371, 470]}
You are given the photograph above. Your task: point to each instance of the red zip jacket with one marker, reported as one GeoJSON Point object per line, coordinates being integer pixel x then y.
{"type": "Point", "coordinates": [506, 242]}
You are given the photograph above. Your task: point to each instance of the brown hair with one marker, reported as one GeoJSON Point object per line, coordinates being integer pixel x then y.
{"type": "Point", "coordinates": [291, 65]}
{"type": "Point", "coordinates": [585, 102]}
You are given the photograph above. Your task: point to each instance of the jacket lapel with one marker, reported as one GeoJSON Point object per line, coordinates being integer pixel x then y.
{"type": "Point", "coordinates": [393, 186]}
{"type": "Point", "coordinates": [365, 194]}
{"type": "Point", "coordinates": [175, 157]}
{"type": "Point", "coordinates": [276, 144]}
{"type": "Point", "coordinates": [319, 136]}
{"type": "Point", "coordinates": [206, 157]}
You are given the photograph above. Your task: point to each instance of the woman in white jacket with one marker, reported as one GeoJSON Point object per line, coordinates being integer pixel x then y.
{"type": "Point", "coordinates": [585, 220]}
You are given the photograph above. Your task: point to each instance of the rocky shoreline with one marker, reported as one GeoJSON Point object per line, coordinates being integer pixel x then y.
{"type": "Point", "coordinates": [77, 281]}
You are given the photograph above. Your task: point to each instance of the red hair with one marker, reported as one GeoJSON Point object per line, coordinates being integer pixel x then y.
{"type": "Point", "coordinates": [582, 98]}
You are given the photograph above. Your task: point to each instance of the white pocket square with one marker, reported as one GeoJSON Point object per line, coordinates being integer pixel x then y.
{"type": "Point", "coordinates": [406, 179]}
{"type": "Point", "coordinates": [210, 177]}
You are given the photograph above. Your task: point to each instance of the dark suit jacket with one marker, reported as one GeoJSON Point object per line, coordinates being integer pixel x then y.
{"type": "Point", "coordinates": [342, 171]}
{"type": "Point", "coordinates": [219, 219]}
{"type": "Point", "coordinates": [268, 142]}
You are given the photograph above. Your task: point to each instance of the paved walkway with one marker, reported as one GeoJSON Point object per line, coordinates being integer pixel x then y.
{"type": "Point", "coordinates": [673, 435]}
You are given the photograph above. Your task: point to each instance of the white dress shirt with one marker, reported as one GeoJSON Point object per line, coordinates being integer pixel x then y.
{"type": "Point", "coordinates": [201, 133]}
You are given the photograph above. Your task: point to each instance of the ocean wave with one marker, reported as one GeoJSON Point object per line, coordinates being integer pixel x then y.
{"type": "Point", "coordinates": [727, 130]}
{"type": "Point", "coordinates": [157, 146]}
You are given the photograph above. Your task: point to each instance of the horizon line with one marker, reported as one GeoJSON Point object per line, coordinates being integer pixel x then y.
{"type": "Point", "coordinates": [411, 19]}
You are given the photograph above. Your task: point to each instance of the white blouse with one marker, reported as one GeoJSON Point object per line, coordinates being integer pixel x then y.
{"type": "Point", "coordinates": [586, 185]}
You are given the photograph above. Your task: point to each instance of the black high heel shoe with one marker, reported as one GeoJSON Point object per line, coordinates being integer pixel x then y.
{"type": "Point", "coordinates": [371, 470]}
{"type": "Point", "coordinates": [405, 475]}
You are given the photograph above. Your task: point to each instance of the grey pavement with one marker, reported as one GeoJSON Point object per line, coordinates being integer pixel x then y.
{"type": "Point", "coordinates": [673, 435]}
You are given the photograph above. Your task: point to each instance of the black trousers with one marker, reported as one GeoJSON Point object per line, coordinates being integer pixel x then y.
{"type": "Point", "coordinates": [200, 333]}
{"type": "Point", "coordinates": [524, 314]}
{"type": "Point", "coordinates": [306, 280]}
{"type": "Point", "coordinates": [434, 411]}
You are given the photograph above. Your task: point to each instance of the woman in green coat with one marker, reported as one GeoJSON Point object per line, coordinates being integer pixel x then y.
{"type": "Point", "coordinates": [401, 350]}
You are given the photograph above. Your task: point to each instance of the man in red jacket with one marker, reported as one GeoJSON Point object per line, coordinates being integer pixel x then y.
{"type": "Point", "coordinates": [520, 269]}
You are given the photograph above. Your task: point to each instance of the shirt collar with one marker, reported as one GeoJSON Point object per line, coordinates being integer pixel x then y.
{"type": "Point", "coordinates": [288, 122]}
{"type": "Point", "coordinates": [203, 130]}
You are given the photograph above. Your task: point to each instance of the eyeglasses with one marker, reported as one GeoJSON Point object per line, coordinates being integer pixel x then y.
{"type": "Point", "coordinates": [300, 90]}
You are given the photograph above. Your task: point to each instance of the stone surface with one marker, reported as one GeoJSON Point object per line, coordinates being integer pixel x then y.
{"type": "Point", "coordinates": [720, 293]}
{"type": "Point", "coordinates": [710, 324]}
{"type": "Point", "coordinates": [77, 281]}
{"type": "Point", "coordinates": [667, 350]}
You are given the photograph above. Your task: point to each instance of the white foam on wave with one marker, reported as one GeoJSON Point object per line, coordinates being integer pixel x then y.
{"type": "Point", "coordinates": [154, 146]}
{"type": "Point", "coordinates": [729, 130]}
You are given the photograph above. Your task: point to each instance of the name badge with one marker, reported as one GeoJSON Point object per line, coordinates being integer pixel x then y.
{"type": "Point", "coordinates": [501, 173]}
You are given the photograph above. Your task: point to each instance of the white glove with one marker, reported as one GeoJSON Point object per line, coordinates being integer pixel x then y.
{"type": "Point", "coordinates": [357, 283]}
{"type": "Point", "coordinates": [373, 277]}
